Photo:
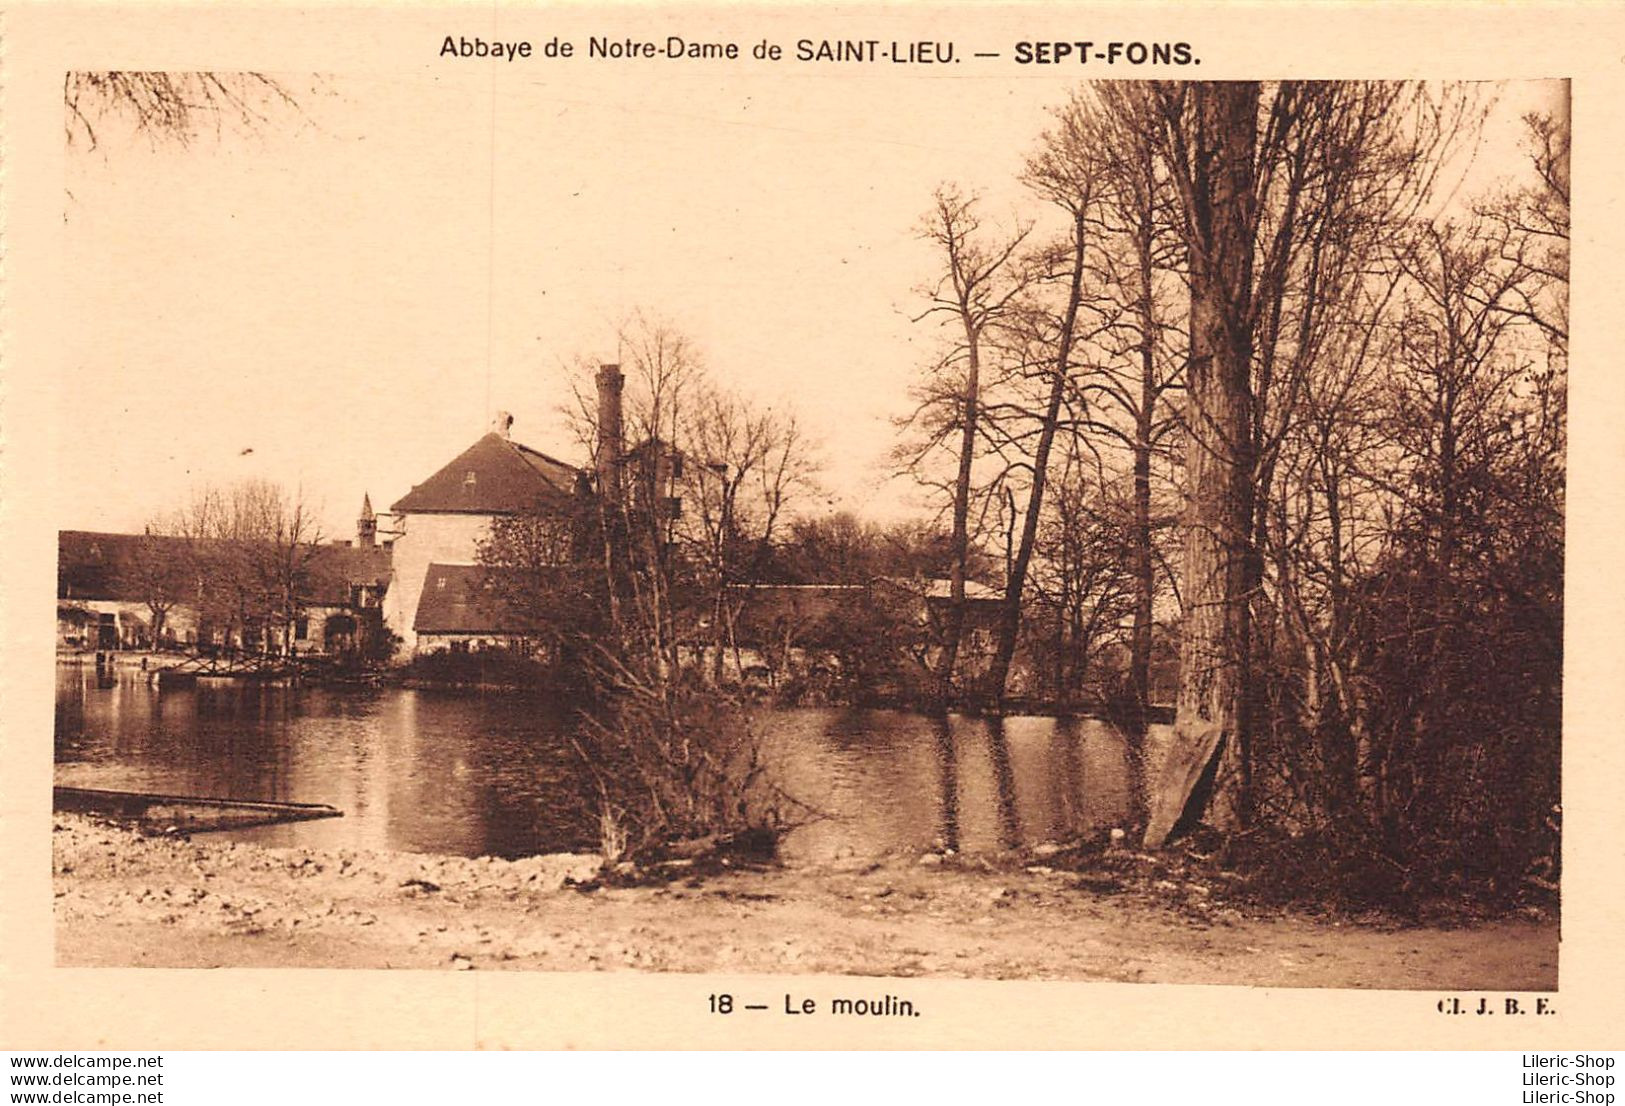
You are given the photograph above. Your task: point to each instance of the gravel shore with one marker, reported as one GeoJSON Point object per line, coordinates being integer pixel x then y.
{"type": "Point", "coordinates": [127, 900]}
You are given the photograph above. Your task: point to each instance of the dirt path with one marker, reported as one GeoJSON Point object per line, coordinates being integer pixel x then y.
{"type": "Point", "coordinates": [125, 900]}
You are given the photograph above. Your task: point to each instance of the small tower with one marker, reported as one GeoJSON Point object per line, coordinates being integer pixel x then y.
{"type": "Point", "coordinates": [366, 526]}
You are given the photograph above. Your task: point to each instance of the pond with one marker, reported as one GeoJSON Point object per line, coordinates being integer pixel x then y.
{"type": "Point", "coordinates": [492, 774]}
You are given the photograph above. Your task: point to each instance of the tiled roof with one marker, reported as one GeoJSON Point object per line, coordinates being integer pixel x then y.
{"type": "Point", "coordinates": [494, 476]}
{"type": "Point", "coordinates": [761, 606]}
{"type": "Point", "coordinates": [457, 600]}
{"type": "Point", "coordinates": [98, 565]}
{"type": "Point", "coordinates": [352, 564]}
{"type": "Point", "coordinates": [92, 565]}
{"type": "Point", "coordinates": [766, 610]}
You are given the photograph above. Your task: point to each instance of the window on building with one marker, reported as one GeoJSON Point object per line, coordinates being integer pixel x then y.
{"type": "Point", "coordinates": [470, 479]}
{"type": "Point", "coordinates": [301, 629]}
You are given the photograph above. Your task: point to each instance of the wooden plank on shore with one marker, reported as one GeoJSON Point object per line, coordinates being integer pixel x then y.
{"type": "Point", "coordinates": [185, 813]}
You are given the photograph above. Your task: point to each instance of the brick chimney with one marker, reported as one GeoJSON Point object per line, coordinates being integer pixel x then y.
{"type": "Point", "coordinates": [501, 424]}
{"type": "Point", "coordinates": [610, 443]}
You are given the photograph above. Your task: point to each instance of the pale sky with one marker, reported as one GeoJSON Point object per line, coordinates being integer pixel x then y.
{"type": "Point", "coordinates": [328, 302]}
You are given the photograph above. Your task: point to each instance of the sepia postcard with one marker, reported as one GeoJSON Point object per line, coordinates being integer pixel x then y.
{"type": "Point", "coordinates": [899, 526]}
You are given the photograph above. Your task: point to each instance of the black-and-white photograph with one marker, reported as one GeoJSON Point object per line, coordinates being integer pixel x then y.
{"type": "Point", "coordinates": [1092, 530]}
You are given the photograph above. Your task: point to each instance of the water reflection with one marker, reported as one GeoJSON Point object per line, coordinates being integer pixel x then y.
{"type": "Point", "coordinates": [948, 765]}
{"type": "Point", "coordinates": [1005, 780]}
{"type": "Point", "coordinates": [1067, 778]}
{"type": "Point", "coordinates": [468, 774]}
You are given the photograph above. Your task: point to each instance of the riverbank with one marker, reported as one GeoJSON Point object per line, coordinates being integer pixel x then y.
{"type": "Point", "coordinates": [126, 900]}
{"type": "Point", "coordinates": [474, 672]}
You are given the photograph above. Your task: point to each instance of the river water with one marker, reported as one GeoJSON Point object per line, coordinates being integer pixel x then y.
{"type": "Point", "coordinates": [489, 774]}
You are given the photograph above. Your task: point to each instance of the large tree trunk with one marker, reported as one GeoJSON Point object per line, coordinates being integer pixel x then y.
{"type": "Point", "coordinates": [1207, 761]}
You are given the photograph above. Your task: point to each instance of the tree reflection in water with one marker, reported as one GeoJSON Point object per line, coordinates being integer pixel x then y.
{"type": "Point", "coordinates": [948, 775]}
{"type": "Point", "coordinates": [474, 775]}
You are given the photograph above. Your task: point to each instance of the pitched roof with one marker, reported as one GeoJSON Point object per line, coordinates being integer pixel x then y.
{"type": "Point", "coordinates": [346, 565]}
{"type": "Point", "coordinates": [765, 611]}
{"type": "Point", "coordinates": [494, 476]}
{"type": "Point", "coordinates": [92, 565]}
{"type": "Point", "coordinates": [457, 600]}
{"type": "Point", "coordinates": [97, 565]}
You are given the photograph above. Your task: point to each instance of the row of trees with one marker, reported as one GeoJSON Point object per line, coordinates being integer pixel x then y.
{"type": "Point", "coordinates": [1240, 370]}
{"type": "Point", "coordinates": [243, 557]}
{"type": "Point", "coordinates": [1246, 371]}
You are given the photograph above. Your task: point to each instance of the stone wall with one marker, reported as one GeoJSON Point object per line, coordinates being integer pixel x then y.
{"type": "Point", "coordinates": [131, 622]}
{"type": "Point", "coordinates": [439, 643]}
{"type": "Point", "coordinates": [424, 540]}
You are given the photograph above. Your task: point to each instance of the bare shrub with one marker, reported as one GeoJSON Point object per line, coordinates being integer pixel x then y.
{"type": "Point", "coordinates": [680, 771]}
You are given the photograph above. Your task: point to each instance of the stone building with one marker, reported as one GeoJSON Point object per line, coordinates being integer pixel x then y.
{"type": "Point", "coordinates": [457, 612]}
{"type": "Point", "coordinates": [102, 602]}
{"type": "Point", "coordinates": [141, 591]}
{"type": "Point", "coordinates": [438, 527]}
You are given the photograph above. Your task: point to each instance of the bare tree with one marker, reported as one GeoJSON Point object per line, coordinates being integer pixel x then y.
{"type": "Point", "coordinates": [1065, 175]}
{"type": "Point", "coordinates": [162, 570]}
{"type": "Point", "coordinates": [1416, 550]}
{"type": "Point", "coordinates": [254, 545]}
{"type": "Point", "coordinates": [669, 524]}
{"type": "Point", "coordinates": [1082, 581]}
{"type": "Point", "coordinates": [1372, 457]}
{"type": "Point", "coordinates": [1274, 246]}
{"type": "Point", "coordinates": [638, 463]}
{"type": "Point", "coordinates": [168, 106]}
{"type": "Point", "coordinates": [1534, 228]}
{"type": "Point", "coordinates": [976, 292]}
{"type": "Point", "coordinates": [743, 469]}
{"type": "Point", "coordinates": [1120, 399]}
